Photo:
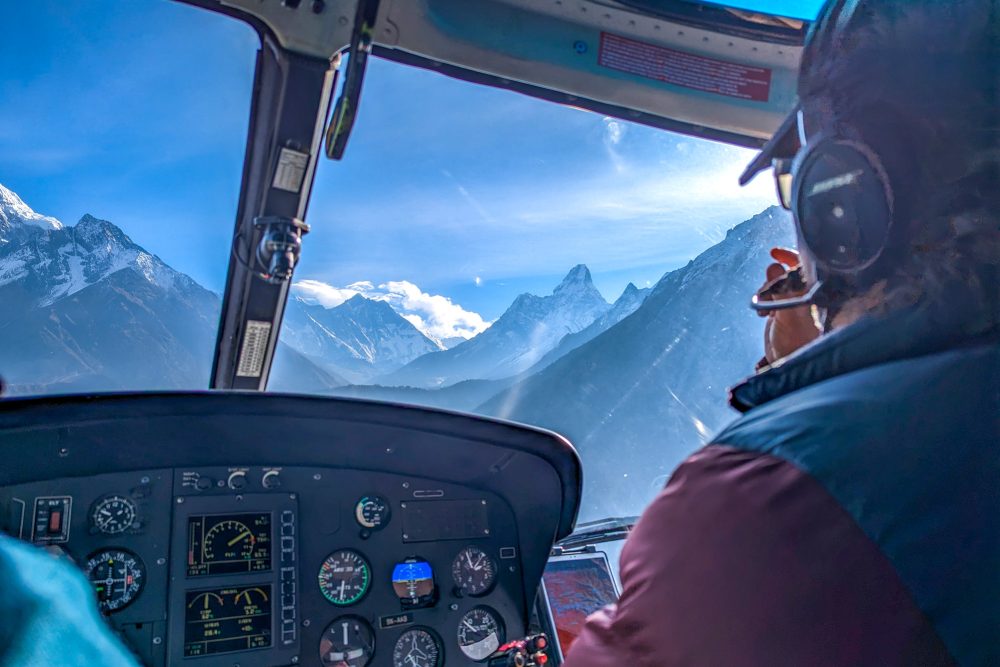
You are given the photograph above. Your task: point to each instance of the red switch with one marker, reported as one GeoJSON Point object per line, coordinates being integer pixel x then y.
{"type": "Point", "coordinates": [55, 522]}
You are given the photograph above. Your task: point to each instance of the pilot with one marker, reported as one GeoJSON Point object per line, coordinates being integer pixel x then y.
{"type": "Point", "coordinates": [851, 516]}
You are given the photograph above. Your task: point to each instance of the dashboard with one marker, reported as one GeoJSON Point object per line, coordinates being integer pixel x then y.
{"type": "Point", "coordinates": [249, 530]}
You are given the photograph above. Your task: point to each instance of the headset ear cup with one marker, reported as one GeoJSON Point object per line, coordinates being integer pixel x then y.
{"type": "Point", "coordinates": [843, 205]}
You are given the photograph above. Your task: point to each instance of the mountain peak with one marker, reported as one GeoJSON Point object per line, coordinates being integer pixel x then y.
{"type": "Point", "coordinates": [14, 211]}
{"type": "Point", "coordinates": [578, 276]}
{"type": "Point", "coordinates": [630, 290]}
{"type": "Point", "coordinates": [357, 300]}
{"type": "Point", "coordinates": [362, 302]}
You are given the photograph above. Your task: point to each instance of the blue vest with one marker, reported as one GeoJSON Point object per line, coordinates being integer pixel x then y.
{"type": "Point", "coordinates": [899, 420]}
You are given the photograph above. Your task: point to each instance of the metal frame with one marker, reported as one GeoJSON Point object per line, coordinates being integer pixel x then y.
{"type": "Point", "coordinates": [291, 98]}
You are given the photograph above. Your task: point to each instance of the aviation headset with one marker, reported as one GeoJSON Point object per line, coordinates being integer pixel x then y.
{"type": "Point", "coordinates": [843, 202]}
{"type": "Point", "coordinates": [837, 187]}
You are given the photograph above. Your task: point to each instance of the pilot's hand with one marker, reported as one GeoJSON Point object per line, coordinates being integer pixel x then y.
{"type": "Point", "coordinates": [786, 330]}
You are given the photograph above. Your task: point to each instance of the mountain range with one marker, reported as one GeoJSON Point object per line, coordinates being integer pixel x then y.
{"type": "Point", "coordinates": [357, 340]}
{"type": "Point", "coordinates": [531, 327]}
{"type": "Point", "coordinates": [645, 384]}
{"type": "Point", "coordinates": [636, 384]}
{"type": "Point", "coordinates": [638, 398]}
{"type": "Point", "coordinates": [86, 308]}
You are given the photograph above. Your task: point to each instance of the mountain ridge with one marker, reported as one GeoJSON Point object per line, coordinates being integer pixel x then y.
{"type": "Point", "coordinates": [642, 395]}
{"type": "Point", "coordinates": [89, 309]}
{"type": "Point", "coordinates": [530, 327]}
{"type": "Point", "coordinates": [357, 339]}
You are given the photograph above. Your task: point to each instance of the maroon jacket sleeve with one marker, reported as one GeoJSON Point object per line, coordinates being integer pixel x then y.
{"type": "Point", "coordinates": [745, 560]}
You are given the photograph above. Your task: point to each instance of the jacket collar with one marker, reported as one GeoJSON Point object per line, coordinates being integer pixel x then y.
{"type": "Point", "coordinates": [922, 329]}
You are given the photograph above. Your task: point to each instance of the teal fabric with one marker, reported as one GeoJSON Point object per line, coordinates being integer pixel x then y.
{"type": "Point", "coordinates": [797, 9]}
{"type": "Point", "coordinates": [48, 614]}
{"type": "Point", "coordinates": [910, 448]}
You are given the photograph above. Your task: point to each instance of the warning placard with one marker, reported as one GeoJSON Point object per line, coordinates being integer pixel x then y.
{"type": "Point", "coordinates": [684, 69]}
{"type": "Point", "coordinates": [251, 361]}
{"type": "Point", "coordinates": [291, 170]}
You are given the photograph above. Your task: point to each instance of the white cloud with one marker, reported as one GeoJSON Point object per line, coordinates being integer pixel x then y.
{"type": "Point", "coordinates": [435, 315]}
{"type": "Point", "coordinates": [328, 296]}
{"type": "Point", "coordinates": [478, 281]}
{"type": "Point", "coordinates": [438, 315]}
{"type": "Point", "coordinates": [614, 130]}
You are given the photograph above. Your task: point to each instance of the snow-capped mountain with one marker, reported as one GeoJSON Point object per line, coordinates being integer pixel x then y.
{"type": "Point", "coordinates": [626, 304]}
{"type": "Point", "coordinates": [59, 261]}
{"type": "Point", "coordinates": [86, 308]}
{"type": "Point", "coordinates": [15, 215]}
{"type": "Point", "coordinates": [358, 339]}
{"type": "Point", "coordinates": [639, 397]}
{"type": "Point", "coordinates": [531, 327]}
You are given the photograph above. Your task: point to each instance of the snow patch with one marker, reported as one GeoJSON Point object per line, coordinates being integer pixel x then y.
{"type": "Point", "coordinates": [14, 211]}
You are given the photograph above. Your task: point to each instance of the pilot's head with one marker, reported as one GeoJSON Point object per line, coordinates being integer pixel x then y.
{"type": "Point", "coordinates": [889, 163]}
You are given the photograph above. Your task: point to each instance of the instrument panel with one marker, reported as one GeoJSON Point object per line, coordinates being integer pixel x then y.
{"type": "Point", "coordinates": [268, 564]}
{"type": "Point", "coordinates": [345, 565]}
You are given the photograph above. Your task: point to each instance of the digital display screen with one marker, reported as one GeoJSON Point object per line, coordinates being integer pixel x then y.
{"type": "Point", "coordinates": [223, 620]}
{"type": "Point", "coordinates": [229, 544]}
{"type": "Point", "coordinates": [413, 580]}
{"type": "Point", "coordinates": [576, 588]}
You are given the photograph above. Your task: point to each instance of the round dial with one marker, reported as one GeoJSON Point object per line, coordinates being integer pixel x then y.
{"type": "Point", "coordinates": [480, 633]}
{"type": "Point", "coordinates": [344, 577]}
{"type": "Point", "coordinates": [347, 642]}
{"type": "Point", "coordinates": [473, 571]}
{"type": "Point", "coordinates": [113, 514]}
{"type": "Point", "coordinates": [418, 647]}
{"type": "Point", "coordinates": [372, 512]}
{"type": "Point", "coordinates": [229, 540]}
{"type": "Point", "coordinates": [117, 576]}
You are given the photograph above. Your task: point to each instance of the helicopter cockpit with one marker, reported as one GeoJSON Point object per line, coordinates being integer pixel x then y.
{"type": "Point", "coordinates": [376, 487]}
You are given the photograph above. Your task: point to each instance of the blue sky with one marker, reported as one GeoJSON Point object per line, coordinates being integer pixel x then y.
{"type": "Point", "coordinates": [136, 112]}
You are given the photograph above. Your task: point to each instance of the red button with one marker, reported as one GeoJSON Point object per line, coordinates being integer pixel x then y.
{"type": "Point", "coordinates": [55, 522]}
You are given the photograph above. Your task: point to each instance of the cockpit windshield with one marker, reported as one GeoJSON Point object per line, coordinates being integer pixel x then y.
{"type": "Point", "coordinates": [476, 250]}
{"type": "Point", "coordinates": [122, 132]}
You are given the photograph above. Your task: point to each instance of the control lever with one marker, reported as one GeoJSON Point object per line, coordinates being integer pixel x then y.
{"type": "Point", "coordinates": [528, 652]}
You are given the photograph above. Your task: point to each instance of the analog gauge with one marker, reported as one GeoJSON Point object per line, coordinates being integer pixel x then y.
{"type": "Point", "coordinates": [347, 642]}
{"type": "Point", "coordinates": [473, 571]}
{"type": "Point", "coordinates": [117, 576]}
{"type": "Point", "coordinates": [418, 647]}
{"type": "Point", "coordinates": [229, 541]}
{"type": "Point", "coordinates": [480, 633]}
{"type": "Point", "coordinates": [344, 577]}
{"type": "Point", "coordinates": [372, 512]}
{"type": "Point", "coordinates": [113, 514]}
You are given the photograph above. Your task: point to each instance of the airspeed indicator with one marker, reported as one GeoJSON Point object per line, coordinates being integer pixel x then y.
{"type": "Point", "coordinates": [344, 577]}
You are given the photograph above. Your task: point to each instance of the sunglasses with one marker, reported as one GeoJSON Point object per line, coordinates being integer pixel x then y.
{"type": "Point", "coordinates": [782, 170]}
{"type": "Point", "coordinates": [781, 167]}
